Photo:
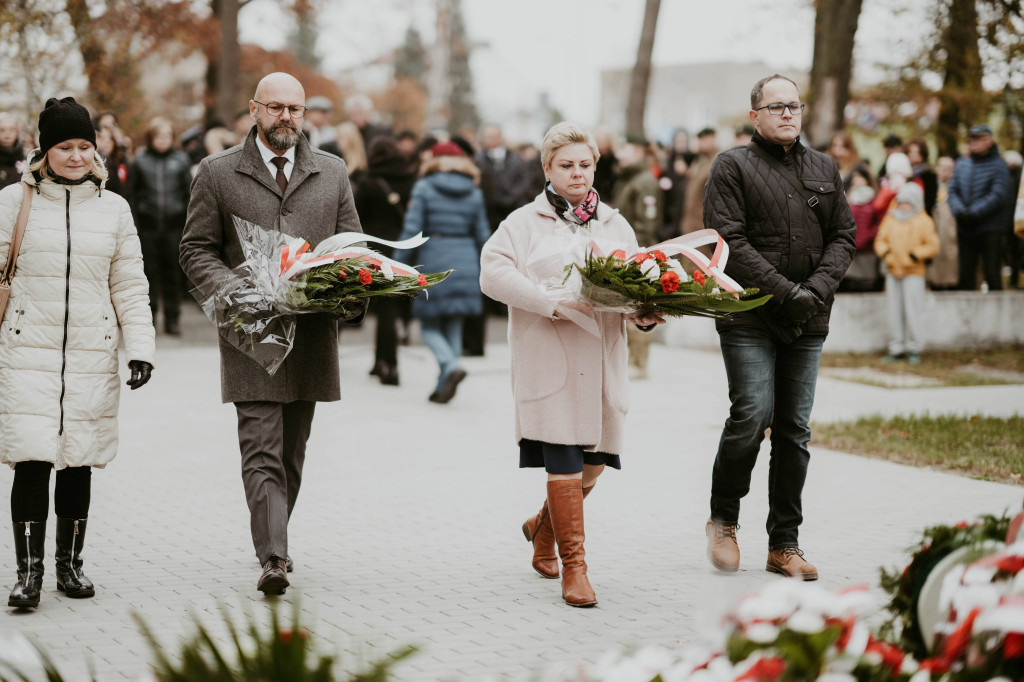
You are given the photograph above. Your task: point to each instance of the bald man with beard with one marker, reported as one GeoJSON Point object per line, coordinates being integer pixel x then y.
{"type": "Point", "coordinates": [276, 180]}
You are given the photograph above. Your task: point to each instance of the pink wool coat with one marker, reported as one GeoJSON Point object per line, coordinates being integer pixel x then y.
{"type": "Point", "coordinates": [570, 387]}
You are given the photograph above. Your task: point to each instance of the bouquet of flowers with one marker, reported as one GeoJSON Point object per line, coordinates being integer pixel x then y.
{"type": "Point", "coordinates": [254, 306]}
{"type": "Point", "coordinates": [672, 278]}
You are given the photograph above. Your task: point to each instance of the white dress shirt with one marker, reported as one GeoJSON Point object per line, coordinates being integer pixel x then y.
{"type": "Point", "coordinates": [267, 153]}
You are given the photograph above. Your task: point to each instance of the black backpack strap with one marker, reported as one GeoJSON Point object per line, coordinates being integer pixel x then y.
{"type": "Point", "coordinates": [817, 203]}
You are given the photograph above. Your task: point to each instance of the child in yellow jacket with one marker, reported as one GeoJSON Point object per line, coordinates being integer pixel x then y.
{"type": "Point", "coordinates": [906, 240]}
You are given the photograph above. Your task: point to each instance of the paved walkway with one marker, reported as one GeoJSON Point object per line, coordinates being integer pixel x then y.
{"type": "Point", "coordinates": [407, 529]}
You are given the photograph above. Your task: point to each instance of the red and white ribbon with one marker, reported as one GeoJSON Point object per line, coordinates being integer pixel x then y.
{"type": "Point", "coordinates": [296, 259]}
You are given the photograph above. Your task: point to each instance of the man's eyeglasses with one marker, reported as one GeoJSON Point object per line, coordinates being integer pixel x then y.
{"type": "Point", "coordinates": [776, 108]}
{"type": "Point", "coordinates": [275, 109]}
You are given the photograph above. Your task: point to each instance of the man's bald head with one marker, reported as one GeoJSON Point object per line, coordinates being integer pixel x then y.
{"type": "Point", "coordinates": [274, 86]}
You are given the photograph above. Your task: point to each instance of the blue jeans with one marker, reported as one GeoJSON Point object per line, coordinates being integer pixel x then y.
{"type": "Point", "coordinates": [443, 336]}
{"type": "Point", "coordinates": [771, 384]}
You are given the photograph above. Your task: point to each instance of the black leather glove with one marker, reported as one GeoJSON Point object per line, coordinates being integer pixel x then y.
{"type": "Point", "coordinates": [141, 371]}
{"type": "Point", "coordinates": [800, 304]}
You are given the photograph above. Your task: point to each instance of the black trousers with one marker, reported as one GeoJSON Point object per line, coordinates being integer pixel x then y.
{"type": "Point", "coordinates": [30, 494]}
{"type": "Point", "coordinates": [388, 310]}
{"type": "Point", "coordinates": [1015, 251]}
{"type": "Point", "coordinates": [272, 439]}
{"type": "Point", "coordinates": [989, 248]}
{"type": "Point", "coordinates": [160, 246]}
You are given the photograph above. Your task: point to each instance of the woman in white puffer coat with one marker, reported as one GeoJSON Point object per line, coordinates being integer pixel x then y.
{"type": "Point", "coordinates": [79, 282]}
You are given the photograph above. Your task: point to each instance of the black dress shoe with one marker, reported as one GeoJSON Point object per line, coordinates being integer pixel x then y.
{"type": "Point", "coordinates": [378, 368]}
{"type": "Point", "coordinates": [275, 576]}
{"type": "Point", "coordinates": [388, 375]}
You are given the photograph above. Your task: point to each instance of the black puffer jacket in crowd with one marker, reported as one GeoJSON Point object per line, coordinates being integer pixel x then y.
{"type": "Point", "coordinates": [10, 158]}
{"type": "Point", "coordinates": [774, 238]}
{"type": "Point", "coordinates": [159, 184]}
{"type": "Point", "coordinates": [382, 197]}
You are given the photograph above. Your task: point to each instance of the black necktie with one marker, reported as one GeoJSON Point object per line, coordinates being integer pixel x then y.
{"type": "Point", "coordinates": [282, 181]}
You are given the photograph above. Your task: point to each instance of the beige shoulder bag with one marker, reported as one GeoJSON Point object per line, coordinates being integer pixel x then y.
{"type": "Point", "coordinates": [12, 255]}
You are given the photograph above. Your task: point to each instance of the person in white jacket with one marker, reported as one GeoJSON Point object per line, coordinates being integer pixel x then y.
{"type": "Point", "coordinates": [569, 383]}
{"type": "Point", "coordinates": [79, 283]}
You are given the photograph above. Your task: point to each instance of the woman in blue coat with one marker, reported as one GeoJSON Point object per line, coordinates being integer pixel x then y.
{"type": "Point", "coordinates": [448, 207]}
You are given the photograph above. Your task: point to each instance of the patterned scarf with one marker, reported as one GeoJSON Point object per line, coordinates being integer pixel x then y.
{"type": "Point", "coordinates": [581, 215]}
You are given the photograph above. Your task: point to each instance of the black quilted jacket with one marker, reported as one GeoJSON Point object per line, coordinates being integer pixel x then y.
{"type": "Point", "coordinates": [773, 235]}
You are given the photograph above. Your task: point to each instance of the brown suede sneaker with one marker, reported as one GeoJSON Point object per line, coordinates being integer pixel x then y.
{"type": "Point", "coordinates": [723, 552]}
{"type": "Point", "coordinates": [789, 561]}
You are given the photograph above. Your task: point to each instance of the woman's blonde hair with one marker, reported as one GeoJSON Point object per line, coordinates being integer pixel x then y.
{"type": "Point", "coordinates": [350, 141]}
{"type": "Point", "coordinates": [563, 134]}
{"type": "Point", "coordinates": [39, 164]}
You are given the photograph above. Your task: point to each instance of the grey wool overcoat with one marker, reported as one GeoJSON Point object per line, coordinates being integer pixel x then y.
{"type": "Point", "coordinates": [316, 204]}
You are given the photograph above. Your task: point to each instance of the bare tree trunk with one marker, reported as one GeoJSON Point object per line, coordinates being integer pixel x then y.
{"type": "Point", "coordinates": [92, 51]}
{"type": "Point", "coordinates": [438, 83]}
{"type": "Point", "coordinates": [227, 61]}
{"type": "Point", "coordinates": [958, 99]}
{"type": "Point", "coordinates": [835, 25]}
{"type": "Point", "coordinates": [641, 79]}
{"type": "Point", "coordinates": [24, 56]}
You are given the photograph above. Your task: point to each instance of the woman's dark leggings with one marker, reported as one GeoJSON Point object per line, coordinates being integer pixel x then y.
{"type": "Point", "coordinates": [30, 494]}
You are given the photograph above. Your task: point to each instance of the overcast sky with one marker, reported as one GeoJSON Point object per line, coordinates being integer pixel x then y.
{"type": "Point", "coordinates": [527, 47]}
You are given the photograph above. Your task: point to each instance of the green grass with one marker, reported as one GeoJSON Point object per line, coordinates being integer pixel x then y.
{"type": "Point", "coordinates": [944, 365]}
{"type": "Point", "coordinates": [987, 448]}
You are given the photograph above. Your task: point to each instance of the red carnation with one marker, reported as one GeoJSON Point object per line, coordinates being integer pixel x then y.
{"type": "Point", "coordinates": [892, 656]}
{"type": "Point", "coordinates": [364, 276]}
{"type": "Point", "coordinates": [670, 282]}
{"type": "Point", "coordinates": [342, 275]}
{"type": "Point", "coordinates": [1013, 646]}
{"type": "Point", "coordinates": [1011, 564]}
{"type": "Point", "coordinates": [641, 257]}
{"type": "Point", "coordinates": [698, 277]}
{"type": "Point", "coordinates": [659, 256]}
{"type": "Point", "coordinates": [765, 670]}
{"type": "Point", "coordinates": [422, 280]}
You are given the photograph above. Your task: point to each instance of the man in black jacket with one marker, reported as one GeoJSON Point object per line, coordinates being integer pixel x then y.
{"type": "Point", "coordinates": [780, 207]}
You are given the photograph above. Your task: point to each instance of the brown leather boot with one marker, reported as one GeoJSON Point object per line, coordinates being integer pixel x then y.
{"type": "Point", "coordinates": [790, 562]}
{"type": "Point", "coordinates": [565, 507]}
{"type": "Point", "coordinates": [723, 551]}
{"type": "Point", "coordinates": [537, 530]}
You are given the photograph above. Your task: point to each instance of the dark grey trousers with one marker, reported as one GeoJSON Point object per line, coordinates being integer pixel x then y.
{"type": "Point", "coordinates": [272, 439]}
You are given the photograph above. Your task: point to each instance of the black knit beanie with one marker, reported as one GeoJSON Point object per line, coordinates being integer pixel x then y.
{"type": "Point", "coordinates": [64, 119]}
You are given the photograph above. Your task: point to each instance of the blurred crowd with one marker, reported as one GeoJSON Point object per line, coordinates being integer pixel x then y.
{"type": "Point", "coordinates": [658, 187]}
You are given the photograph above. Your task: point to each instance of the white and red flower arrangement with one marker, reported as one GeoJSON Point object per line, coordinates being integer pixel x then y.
{"type": "Point", "coordinates": [983, 637]}
{"type": "Point", "coordinates": [255, 304]}
{"type": "Point", "coordinates": [787, 632]}
{"type": "Point", "coordinates": [673, 278]}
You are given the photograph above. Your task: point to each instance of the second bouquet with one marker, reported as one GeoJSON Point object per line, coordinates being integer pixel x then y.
{"type": "Point", "coordinates": [673, 278]}
{"type": "Point", "coordinates": [254, 305]}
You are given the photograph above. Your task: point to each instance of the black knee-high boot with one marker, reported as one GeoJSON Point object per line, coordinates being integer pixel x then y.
{"type": "Point", "coordinates": [70, 541]}
{"type": "Point", "coordinates": [29, 540]}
